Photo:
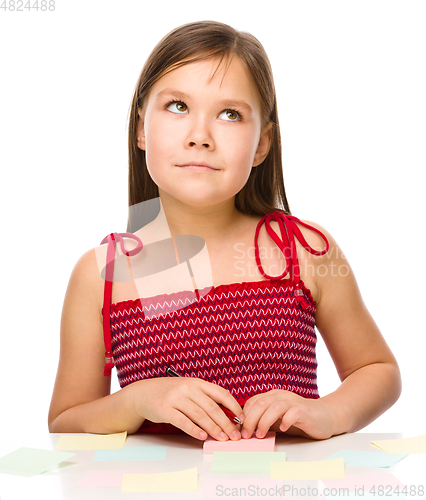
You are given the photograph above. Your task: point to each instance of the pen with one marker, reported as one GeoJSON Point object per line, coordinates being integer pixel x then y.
{"type": "Point", "coordinates": [227, 412]}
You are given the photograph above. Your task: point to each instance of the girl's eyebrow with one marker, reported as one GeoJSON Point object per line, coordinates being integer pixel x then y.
{"type": "Point", "coordinates": [227, 103]}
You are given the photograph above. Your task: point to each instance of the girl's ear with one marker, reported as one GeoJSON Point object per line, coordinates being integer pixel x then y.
{"type": "Point", "coordinates": [263, 146]}
{"type": "Point", "coordinates": [140, 132]}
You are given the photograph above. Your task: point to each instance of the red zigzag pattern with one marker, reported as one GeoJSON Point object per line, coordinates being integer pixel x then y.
{"type": "Point", "coordinates": [247, 337]}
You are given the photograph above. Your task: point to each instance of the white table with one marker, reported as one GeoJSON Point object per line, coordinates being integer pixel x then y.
{"type": "Point", "coordinates": [183, 453]}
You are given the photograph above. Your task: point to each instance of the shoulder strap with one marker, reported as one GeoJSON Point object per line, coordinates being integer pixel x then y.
{"type": "Point", "coordinates": [111, 239]}
{"type": "Point", "coordinates": [287, 244]}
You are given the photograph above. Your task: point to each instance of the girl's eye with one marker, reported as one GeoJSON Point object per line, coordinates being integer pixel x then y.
{"type": "Point", "coordinates": [177, 107]}
{"type": "Point", "coordinates": [231, 115]}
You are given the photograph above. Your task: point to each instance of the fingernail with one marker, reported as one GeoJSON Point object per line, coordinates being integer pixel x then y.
{"type": "Point", "coordinates": [236, 435]}
{"type": "Point", "coordinates": [203, 435]}
{"type": "Point", "coordinates": [242, 417]}
{"type": "Point", "coordinates": [259, 434]}
{"type": "Point", "coordinates": [245, 434]}
{"type": "Point", "coordinates": [223, 435]}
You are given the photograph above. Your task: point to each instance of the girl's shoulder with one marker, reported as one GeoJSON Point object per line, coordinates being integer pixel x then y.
{"type": "Point", "coordinates": [314, 234]}
{"type": "Point", "coordinates": [86, 269]}
{"type": "Point", "coordinates": [315, 238]}
{"type": "Point", "coordinates": [127, 269]}
{"type": "Point", "coordinates": [315, 269]}
{"type": "Point", "coordinates": [86, 283]}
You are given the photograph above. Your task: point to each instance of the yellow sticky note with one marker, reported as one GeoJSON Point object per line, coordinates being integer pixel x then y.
{"type": "Point", "coordinates": [403, 446]}
{"type": "Point", "coordinates": [323, 469]}
{"type": "Point", "coordinates": [92, 442]}
{"type": "Point", "coordinates": [185, 480]}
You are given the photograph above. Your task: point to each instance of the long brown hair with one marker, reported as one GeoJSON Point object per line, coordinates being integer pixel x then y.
{"type": "Point", "coordinates": [264, 191]}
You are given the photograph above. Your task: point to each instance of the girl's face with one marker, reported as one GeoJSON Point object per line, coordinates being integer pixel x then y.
{"type": "Point", "coordinates": [203, 137]}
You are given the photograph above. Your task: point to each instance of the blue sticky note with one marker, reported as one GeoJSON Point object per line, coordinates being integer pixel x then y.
{"type": "Point", "coordinates": [131, 453]}
{"type": "Point", "coordinates": [356, 458]}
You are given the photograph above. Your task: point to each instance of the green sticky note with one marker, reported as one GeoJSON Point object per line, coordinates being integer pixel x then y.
{"type": "Point", "coordinates": [254, 462]}
{"type": "Point", "coordinates": [31, 461]}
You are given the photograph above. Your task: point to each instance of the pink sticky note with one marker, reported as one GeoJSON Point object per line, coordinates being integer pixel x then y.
{"type": "Point", "coordinates": [104, 478]}
{"type": "Point", "coordinates": [253, 444]}
{"type": "Point", "coordinates": [355, 482]}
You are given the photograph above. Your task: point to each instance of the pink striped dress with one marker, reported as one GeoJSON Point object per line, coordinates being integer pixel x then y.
{"type": "Point", "coordinates": [248, 337]}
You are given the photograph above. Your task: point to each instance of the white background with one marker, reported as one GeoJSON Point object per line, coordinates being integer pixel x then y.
{"type": "Point", "coordinates": [350, 79]}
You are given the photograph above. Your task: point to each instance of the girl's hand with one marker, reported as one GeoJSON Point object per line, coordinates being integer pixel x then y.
{"type": "Point", "coordinates": [284, 411]}
{"type": "Point", "coordinates": [191, 404]}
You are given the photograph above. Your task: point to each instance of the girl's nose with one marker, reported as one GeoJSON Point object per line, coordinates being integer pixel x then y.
{"type": "Point", "coordinates": [200, 136]}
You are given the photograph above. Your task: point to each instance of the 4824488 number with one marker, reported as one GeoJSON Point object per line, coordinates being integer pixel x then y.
{"type": "Point", "coordinates": [406, 491]}
{"type": "Point", "coordinates": [22, 6]}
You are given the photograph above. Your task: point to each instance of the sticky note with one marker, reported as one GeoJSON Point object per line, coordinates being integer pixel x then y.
{"type": "Point", "coordinates": [355, 458]}
{"type": "Point", "coordinates": [185, 480]}
{"type": "Point", "coordinates": [323, 469]}
{"type": "Point", "coordinates": [415, 444]}
{"type": "Point", "coordinates": [250, 462]}
{"type": "Point", "coordinates": [104, 478]}
{"type": "Point", "coordinates": [253, 444]}
{"type": "Point", "coordinates": [131, 453]}
{"type": "Point", "coordinates": [91, 442]}
{"type": "Point", "coordinates": [364, 482]}
{"type": "Point", "coordinates": [31, 461]}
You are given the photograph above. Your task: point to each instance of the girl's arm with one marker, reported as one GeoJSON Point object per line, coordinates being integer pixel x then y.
{"type": "Point", "coordinates": [368, 370]}
{"type": "Point", "coordinates": [371, 381]}
{"type": "Point", "coordinates": [81, 400]}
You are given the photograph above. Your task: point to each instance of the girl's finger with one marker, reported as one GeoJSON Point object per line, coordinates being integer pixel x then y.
{"type": "Point", "coordinates": [218, 421]}
{"type": "Point", "coordinates": [250, 402]}
{"type": "Point", "coordinates": [223, 397]}
{"type": "Point", "coordinates": [270, 416]}
{"type": "Point", "coordinates": [275, 393]}
{"type": "Point", "coordinates": [181, 421]}
{"type": "Point", "coordinates": [293, 417]}
{"type": "Point", "coordinates": [200, 413]}
{"type": "Point", "coordinates": [305, 423]}
{"type": "Point", "coordinates": [254, 415]}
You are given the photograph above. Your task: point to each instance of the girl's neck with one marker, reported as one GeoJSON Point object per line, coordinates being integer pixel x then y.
{"type": "Point", "coordinates": [213, 223]}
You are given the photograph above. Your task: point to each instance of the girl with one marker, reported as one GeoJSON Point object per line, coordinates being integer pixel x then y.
{"type": "Point", "coordinates": [235, 311]}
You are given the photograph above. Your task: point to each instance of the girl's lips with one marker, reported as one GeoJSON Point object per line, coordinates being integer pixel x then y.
{"type": "Point", "coordinates": [194, 166]}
